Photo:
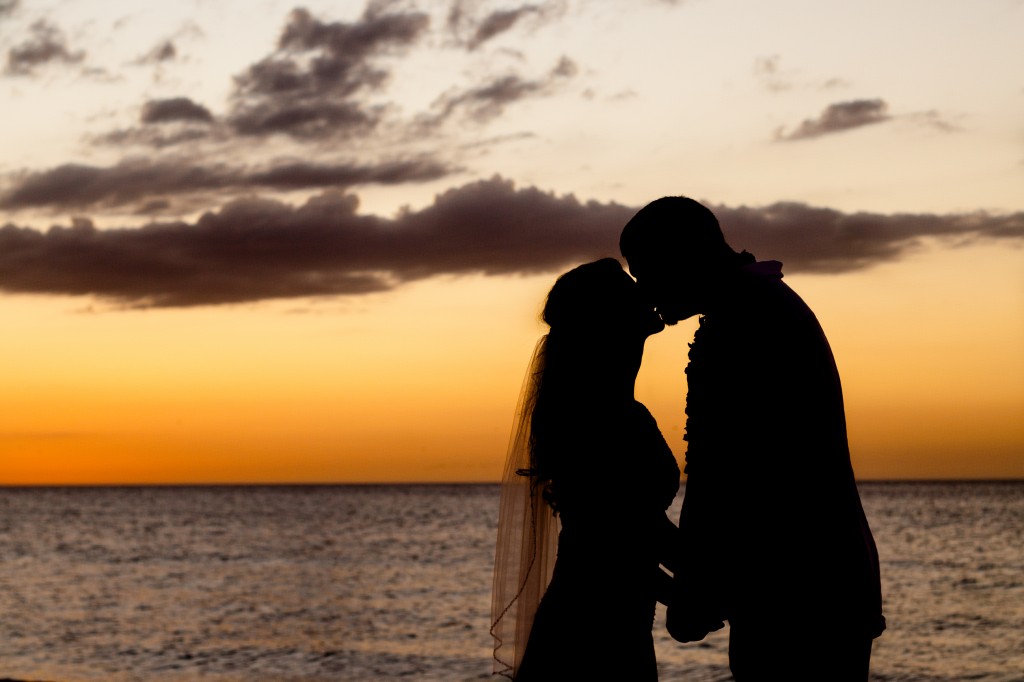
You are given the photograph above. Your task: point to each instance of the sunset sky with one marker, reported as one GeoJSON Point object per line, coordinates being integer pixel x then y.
{"type": "Point", "coordinates": [255, 241]}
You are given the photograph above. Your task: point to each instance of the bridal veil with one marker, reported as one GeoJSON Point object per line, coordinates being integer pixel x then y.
{"type": "Point", "coordinates": [527, 541]}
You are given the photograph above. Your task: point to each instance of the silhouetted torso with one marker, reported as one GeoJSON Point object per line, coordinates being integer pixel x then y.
{"type": "Point", "coordinates": [773, 533]}
{"type": "Point", "coordinates": [612, 488]}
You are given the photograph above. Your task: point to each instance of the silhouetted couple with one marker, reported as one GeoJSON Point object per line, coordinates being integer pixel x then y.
{"type": "Point", "coordinates": [772, 536]}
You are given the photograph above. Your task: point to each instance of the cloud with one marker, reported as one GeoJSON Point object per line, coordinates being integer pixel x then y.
{"type": "Point", "coordinates": [8, 7]}
{"type": "Point", "coordinates": [140, 181]}
{"type": "Point", "coordinates": [254, 249]}
{"type": "Point", "coordinates": [314, 119]}
{"type": "Point", "coordinates": [839, 117]}
{"type": "Point", "coordinates": [934, 120]}
{"type": "Point", "coordinates": [777, 79]}
{"type": "Point", "coordinates": [169, 49]}
{"type": "Point", "coordinates": [485, 102]}
{"type": "Point", "coordinates": [856, 113]}
{"type": "Point", "coordinates": [165, 123]}
{"type": "Point", "coordinates": [769, 72]}
{"type": "Point", "coordinates": [150, 136]}
{"type": "Point", "coordinates": [472, 30]}
{"type": "Point", "coordinates": [302, 174]}
{"type": "Point", "coordinates": [174, 109]}
{"type": "Point", "coordinates": [80, 186]}
{"type": "Point", "coordinates": [165, 51]}
{"type": "Point", "coordinates": [834, 83]}
{"type": "Point", "coordinates": [326, 80]}
{"type": "Point", "coordinates": [312, 85]}
{"type": "Point", "coordinates": [823, 240]}
{"type": "Point", "coordinates": [498, 22]}
{"type": "Point", "coordinates": [47, 45]}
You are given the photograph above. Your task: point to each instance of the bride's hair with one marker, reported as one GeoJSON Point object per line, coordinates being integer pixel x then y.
{"type": "Point", "coordinates": [583, 300]}
{"type": "Point", "coordinates": [584, 308]}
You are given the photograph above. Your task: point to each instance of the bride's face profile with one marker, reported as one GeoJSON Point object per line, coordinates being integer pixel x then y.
{"type": "Point", "coordinates": [642, 311]}
{"type": "Point", "coordinates": [637, 320]}
{"type": "Point", "coordinates": [599, 299]}
{"type": "Point", "coordinates": [602, 319]}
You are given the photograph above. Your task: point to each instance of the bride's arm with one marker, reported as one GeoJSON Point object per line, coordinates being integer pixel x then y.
{"type": "Point", "coordinates": [669, 542]}
{"type": "Point", "coordinates": [663, 590]}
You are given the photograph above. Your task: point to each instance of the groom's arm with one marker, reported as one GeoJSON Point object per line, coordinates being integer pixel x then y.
{"type": "Point", "coordinates": [695, 607]}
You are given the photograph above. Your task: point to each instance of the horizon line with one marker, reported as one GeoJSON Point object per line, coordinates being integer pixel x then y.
{"type": "Point", "coordinates": [356, 484]}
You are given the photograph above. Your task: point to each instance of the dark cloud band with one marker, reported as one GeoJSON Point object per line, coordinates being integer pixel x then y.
{"type": "Point", "coordinates": [253, 249]}
{"type": "Point", "coordinates": [134, 182]}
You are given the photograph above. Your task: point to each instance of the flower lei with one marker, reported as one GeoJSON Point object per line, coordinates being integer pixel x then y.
{"type": "Point", "coordinates": [696, 374]}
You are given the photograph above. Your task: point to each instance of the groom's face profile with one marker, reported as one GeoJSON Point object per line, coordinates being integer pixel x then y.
{"type": "Point", "coordinates": [630, 311]}
{"type": "Point", "coordinates": [673, 288]}
{"type": "Point", "coordinates": [675, 250]}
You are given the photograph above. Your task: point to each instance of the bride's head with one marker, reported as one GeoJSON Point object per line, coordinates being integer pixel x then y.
{"type": "Point", "coordinates": [599, 321]}
{"type": "Point", "coordinates": [588, 364]}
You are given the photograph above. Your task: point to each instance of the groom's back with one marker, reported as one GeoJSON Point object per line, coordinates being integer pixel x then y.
{"type": "Point", "coordinates": [774, 437]}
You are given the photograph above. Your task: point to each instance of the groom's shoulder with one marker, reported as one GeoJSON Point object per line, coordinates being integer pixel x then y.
{"type": "Point", "coordinates": [771, 296]}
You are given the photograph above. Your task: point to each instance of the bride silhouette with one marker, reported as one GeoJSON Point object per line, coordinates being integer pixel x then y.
{"type": "Point", "coordinates": [587, 469]}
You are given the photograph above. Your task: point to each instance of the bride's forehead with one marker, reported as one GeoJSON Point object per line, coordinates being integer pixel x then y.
{"type": "Point", "coordinates": [624, 296]}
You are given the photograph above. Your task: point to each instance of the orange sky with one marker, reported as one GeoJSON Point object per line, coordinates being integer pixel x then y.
{"type": "Point", "coordinates": [421, 385]}
{"type": "Point", "coordinates": [888, 183]}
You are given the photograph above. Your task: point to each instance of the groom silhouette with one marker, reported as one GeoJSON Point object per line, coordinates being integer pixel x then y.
{"type": "Point", "coordinates": [774, 538]}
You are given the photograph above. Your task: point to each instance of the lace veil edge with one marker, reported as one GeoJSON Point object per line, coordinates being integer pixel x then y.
{"type": "Point", "coordinates": [527, 539]}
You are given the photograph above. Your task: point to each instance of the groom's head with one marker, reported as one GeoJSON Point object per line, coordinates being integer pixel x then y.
{"type": "Point", "coordinates": [675, 249]}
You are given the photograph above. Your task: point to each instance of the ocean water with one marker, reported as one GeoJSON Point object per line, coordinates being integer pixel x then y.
{"type": "Point", "coordinates": [393, 582]}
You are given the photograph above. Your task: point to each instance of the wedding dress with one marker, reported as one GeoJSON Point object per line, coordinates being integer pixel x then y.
{"type": "Point", "coordinates": [615, 476]}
